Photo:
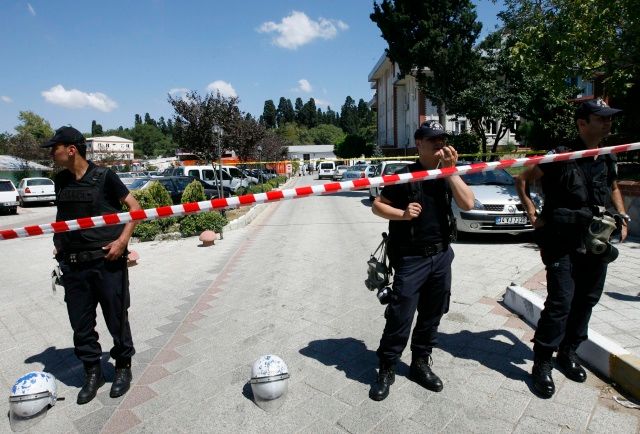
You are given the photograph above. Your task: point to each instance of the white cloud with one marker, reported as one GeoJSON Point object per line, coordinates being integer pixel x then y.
{"type": "Point", "coordinates": [32, 11]}
{"type": "Point", "coordinates": [6, 99]}
{"type": "Point", "coordinates": [223, 87]}
{"type": "Point", "coordinates": [321, 103]}
{"type": "Point", "coordinates": [304, 86]}
{"type": "Point", "coordinates": [73, 98]}
{"type": "Point", "coordinates": [298, 29]}
{"type": "Point", "coordinates": [178, 92]}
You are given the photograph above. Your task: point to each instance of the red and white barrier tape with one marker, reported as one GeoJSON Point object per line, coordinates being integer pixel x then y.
{"type": "Point", "coordinates": [272, 196]}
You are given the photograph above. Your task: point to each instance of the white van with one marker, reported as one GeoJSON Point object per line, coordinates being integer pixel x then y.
{"type": "Point", "coordinates": [209, 174]}
{"type": "Point", "coordinates": [326, 169]}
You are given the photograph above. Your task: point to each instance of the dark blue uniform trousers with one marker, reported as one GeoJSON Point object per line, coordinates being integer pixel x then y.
{"type": "Point", "coordinates": [87, 284]}
{"type": "Point", "coordinates": [423, 284]}
{"type": "Point", "coordinates": [574, 285]}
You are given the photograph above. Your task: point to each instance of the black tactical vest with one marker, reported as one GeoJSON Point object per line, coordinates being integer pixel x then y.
{"type": "Point", "coordinates": [86, 198]}
{"type": "Point", "coordinates": [575, 185]}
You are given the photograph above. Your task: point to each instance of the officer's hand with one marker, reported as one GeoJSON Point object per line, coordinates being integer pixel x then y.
{"type": "Point", "coordinates": [115, 250]}
{"type": "Point", "coordinates": [449, 156]}
{"type": "Point", "coordinates": [624, 231]}
{"type": "Point", "coordinates": [413, 210]}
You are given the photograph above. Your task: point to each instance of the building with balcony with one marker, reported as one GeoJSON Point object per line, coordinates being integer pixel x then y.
{"type": "Point", "coordinates": [113, 149]}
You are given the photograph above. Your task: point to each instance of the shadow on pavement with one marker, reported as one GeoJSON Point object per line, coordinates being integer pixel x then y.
{"type": "Point", "coordinates": [497, 355]}
{"type": "Point", "coordinates": [623, 297]}
{"type": "Point", "coordinates": [348, 355]}
{"type": "Point", "coordinates": [63, 364]}
{"type": "Point", "coordinates": [492, 238]}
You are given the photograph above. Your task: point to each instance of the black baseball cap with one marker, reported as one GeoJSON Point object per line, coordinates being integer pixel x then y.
{"type": "Point", "coordinates": [66, 135]}
{"type": "Point", "coordinates": [595, 107]}
{"type": "Point", "coordinates": [429, 130]}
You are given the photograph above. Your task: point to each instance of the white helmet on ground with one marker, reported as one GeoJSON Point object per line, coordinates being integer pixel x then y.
{"type": "Point", "coordinates": [31, 396]}
{"type": "Point", "coordinates": [269, 382]}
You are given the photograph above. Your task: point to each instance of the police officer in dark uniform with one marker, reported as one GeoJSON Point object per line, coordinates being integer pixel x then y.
{"type": "Point", "coordinates": [93, 261]}
{"type": "Point", "coordinates": [420, 228]}
{"type": "Point", "coordinates": [575, 193]}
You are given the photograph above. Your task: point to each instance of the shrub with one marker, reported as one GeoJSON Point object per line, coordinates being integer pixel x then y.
{"type": "Point", "coordinates": [146, 231]}
{"type": "Point", "coordinates": [194, 224]}
{"type": "Point", "coordinates": [193, 193]}
{"type": "Point", "coordinates": [465, 143]}
{"type": "Point", "coordinates": [260, 188]}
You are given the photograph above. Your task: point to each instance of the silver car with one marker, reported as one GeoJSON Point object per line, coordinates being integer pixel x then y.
{"type": "Point", "coordinates": [497, 207]}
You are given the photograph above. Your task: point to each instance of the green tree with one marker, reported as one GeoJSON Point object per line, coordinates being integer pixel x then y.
{"type": "Point", "coordinates": [298, 111]}
{"type": "Point", "coordinates": [433, 40]}
{"type": "Point", "coordinates": [326, 134]}
{"type": "Point", "coordinates": [353, 146]}
{"type": "Point", "coordinates": [33, 126]}
{"type": "Point", "coordinates": [243, 136]}
{"type": "Point", "coordinates": [309, 114]}
{"type": "Point", "coordinates": [285, 111]}
{"type": "Point", "coordinates": [349, 116]}
{"type": "Point", "coordinates": [269, 115]}
{"type": "Point", "coordinates": [148, 139]}
{"type": "Point", "coordinates": [96, 129]}
{"type": "Point", "coordinates": [137, 120]}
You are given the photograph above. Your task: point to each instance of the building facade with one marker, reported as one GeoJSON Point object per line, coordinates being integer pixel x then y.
{"type": "Point", "coordinates": [111, 148]}
{"type": "Point", "coordinates": [401, 107]}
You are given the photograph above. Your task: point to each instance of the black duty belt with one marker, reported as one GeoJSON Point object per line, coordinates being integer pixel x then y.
{"type": "Point", "coordinates": [85, 256]}
{"type": "Point", "coordinates": [427, 250]}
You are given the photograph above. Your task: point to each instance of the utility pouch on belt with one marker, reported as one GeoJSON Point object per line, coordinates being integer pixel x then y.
{"type": "Point", "coordinates": [378, 268]}
{"type": "Point", "coordinates": [87, 256]}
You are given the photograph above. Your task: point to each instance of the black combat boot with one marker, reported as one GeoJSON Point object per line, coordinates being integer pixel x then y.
{"type": "Point", "coordinates": [568, 362]}
{"type": "Point", "coordinates": [386, 377]}
{"type": "Point", "coordinates": [542, 379]}
{"type": "Point", "coordinates": [93, 380]}
{"type": "Point", "coordinates": [122, 379]}
{"type": "Point", "coordinates": [421, 373]}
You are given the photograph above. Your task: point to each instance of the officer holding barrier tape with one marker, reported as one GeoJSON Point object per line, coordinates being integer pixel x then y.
{"type": "Point", "coordinates": [582, 207]}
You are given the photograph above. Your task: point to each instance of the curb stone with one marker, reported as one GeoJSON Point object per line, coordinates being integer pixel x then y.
{"type": "Point", "coordinates": [604, 355]}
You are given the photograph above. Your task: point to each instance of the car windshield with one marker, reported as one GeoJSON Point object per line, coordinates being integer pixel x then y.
{"type": "Point", "coordinates": [393, 168]}
{"type": "Point", "coordinates": [326, 166]}
{"type": "Point", "coordinates": [125, 175]}
{"type": "Point", "coordinates": [494, 177]}
{"type": "Point", "coordinates": [138, 183]}
{"type": "Point", "coordinates": [42, 181]}
{"type": "Point", "coordinates": [6, 186]}
{"type": "Point", "coordinates": [358, 168]}
{"type": "Point", "coordinates": [342, 167]}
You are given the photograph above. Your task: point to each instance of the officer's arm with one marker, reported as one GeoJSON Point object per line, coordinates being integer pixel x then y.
{"type": "Point", "coordinates": [382, 208]}
{"type": "Point", "coordinates": [117, 248]}
{"type": "Point", "coordinates": [526, 177]}
{"type": "Point", "coordinates": [618, 203]}
{"type": "Point", "coordinates": [462, 194]}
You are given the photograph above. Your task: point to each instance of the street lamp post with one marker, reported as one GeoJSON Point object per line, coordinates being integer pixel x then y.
{"type": "Point", "coordinates": [217, 134]}
{"type": "Point", "coordinates": [260, 166]}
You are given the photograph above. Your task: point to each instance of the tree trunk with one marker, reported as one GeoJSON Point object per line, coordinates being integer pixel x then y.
{"type": "Point", "coordinates": [442, 115]}
{"type": "Point", "coordinates": [500, 133]}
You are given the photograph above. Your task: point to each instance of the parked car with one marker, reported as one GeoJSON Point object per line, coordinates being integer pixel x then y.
{"type": "Point", "coordinates": [355, 172]}
{"type": "Point", "coordinates": [176, 185]}
{"type": "Point", "coordinates": [325, 169]}
{"type": "Point", "coordinates": [8, 196]}
{"type": "Point", "coordinates": [126, 177]}
{"type": "Point", "coordinates": [385, 168]}
{"type": "Point", "coordinates": [497, 207]}
{"type": "Point", "coordinates": [34, 190]}
{"type": "Point", "coordinates": [339, 172]}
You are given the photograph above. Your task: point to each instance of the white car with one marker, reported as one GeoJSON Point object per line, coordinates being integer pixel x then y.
{"type": "Point", "coordinates": [497, 207]}
{"type": "Point", "coordinates": [385, 168]}
{"type": "Point", "coordinates": [8, 196]}
{"type": "Point", "coordinates": [338, 173]}
{"type": "Point", "coordinates": [34, 190]}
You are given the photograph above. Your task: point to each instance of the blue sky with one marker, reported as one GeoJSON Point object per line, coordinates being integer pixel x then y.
{"type": "Point", "coordinates": [75, 61]}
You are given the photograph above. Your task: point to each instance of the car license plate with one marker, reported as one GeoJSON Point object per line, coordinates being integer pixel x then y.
{"type": "Point", "coordinates": [511, 220]}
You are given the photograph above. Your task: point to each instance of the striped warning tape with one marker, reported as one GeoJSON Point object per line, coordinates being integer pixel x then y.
{"type": "Point", "coordinates": [311, 190]}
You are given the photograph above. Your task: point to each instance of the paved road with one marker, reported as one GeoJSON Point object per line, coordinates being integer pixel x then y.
{"type": "Point", "coordinates": [291, 283]}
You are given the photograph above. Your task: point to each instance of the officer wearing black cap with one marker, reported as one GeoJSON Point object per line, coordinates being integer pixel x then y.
{"type": "Point", "coordinates": [420, 228]}
{"type": "Point", "coordinates": [575, 194]}
{"type": "Point", "coordinates": [93, 261]}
